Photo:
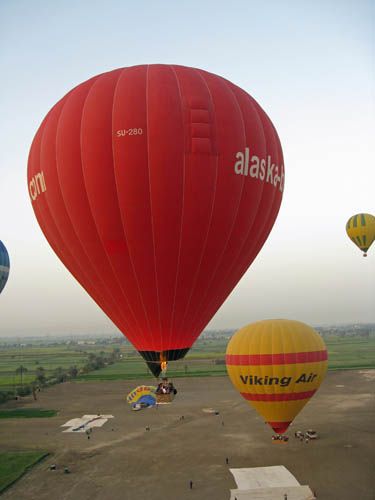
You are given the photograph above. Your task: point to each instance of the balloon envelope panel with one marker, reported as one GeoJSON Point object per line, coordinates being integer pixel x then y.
{"type": "Point", "coordinates": [142, 394]}
{"type": "Point", "coordinates": [157, 186]}
{"type": "Point", "coordinates": [277, 366]}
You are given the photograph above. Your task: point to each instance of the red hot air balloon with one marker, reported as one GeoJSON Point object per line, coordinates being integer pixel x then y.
{"type": "Point", "coordinates": [157, 186]}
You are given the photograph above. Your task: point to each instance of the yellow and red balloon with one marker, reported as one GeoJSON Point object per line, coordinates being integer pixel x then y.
{"type": "Point", "coordinates": [277, 366]}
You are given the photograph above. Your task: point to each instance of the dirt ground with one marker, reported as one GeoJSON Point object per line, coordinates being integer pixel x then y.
{"type": "Point", "coordinates": [123, 460]}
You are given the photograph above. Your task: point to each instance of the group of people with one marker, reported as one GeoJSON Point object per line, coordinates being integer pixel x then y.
{"type": "Point", "coordinates": [305, 436]}
{"type": "Point", "coordinates": [165, 387]}
{"type": "Point", "coordinates": [88, 432]}
{"type": "Point", "coordinates": [280, 437]}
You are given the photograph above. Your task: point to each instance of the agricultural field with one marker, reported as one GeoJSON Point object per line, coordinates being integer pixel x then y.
{"type": "Point", "coordinates": [27, 413]}
{"type": "Point", "coordinates": [15, 464]}
{"type": "Point", "coordinates": [33, 357]}
{"type": "Point", "coordinates": [206, 358]}
{"type": "Point", "coordinates": [351, 353]}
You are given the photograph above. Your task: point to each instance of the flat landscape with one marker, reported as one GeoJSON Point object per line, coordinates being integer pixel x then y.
{"type": "Point", "coordinates": [206, 358]}
{"type": "Point", "coordinates": [123, 460]}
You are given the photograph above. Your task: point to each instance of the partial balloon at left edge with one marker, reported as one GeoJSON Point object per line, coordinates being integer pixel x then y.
{"type": "Point", "coordinates": [4, 266]}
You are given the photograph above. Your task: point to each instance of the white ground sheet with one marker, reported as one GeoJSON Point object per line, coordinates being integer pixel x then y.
{"type": "Point", "coordinates": [86, 422]}
{"type": "Point", "coordinates": [292, 492]}
{"type": "Point", "coordinates": [268, 483]}
{"type": "Point", "coordinates": [263, 477]}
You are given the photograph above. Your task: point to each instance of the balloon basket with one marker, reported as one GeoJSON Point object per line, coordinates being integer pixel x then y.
{"type": "Point", "coordinates": [164, 398]}
{"type": "Point", "coordinates": [280, 439]}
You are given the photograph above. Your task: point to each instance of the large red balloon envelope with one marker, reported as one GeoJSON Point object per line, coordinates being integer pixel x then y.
{"type": "Point", "coordinates": [157, 186]}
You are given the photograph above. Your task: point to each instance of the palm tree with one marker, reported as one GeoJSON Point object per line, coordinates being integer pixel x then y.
{"type": "Point", "coordinates": [40, 375]}
{"type": "Point", "coordinates": [60, 374]}
{"type": "Point", "coordinates": [21, 370]}
{"type": "Point", "coordinates": [73, 371]}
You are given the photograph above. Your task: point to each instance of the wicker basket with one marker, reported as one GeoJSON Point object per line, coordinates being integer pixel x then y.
{"type": "Point", "coordinates": [165, 398]}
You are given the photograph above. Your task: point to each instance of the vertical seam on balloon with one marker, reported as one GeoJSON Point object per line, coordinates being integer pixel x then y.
{"type": "Point", "coordinates": [67, 213]}
{"type": "Point", "coordinates": [273, 347]}
{"type": "Point", "coordinates": [294, 367]}
{"type": "Point", "coordinates": [120, 212]}
{"type": "Point", "coordinates": [273, 201]}
{"type": "Point", "coordinates": [255, 343]}
{"type": "Point", "coordinates": [211, 214]}
{"type": "Point", "coordinates": [41, 219]}
{"type": "Point", "coordinates": [177, 334]}
{"type": "Point", "coordinates": [235, 217]}
{"type": "Point", "coordinates": [242, 346]}
{"type": "Point", "coordinates": [152, 220]}
{"type": "Point", "coordinates": [108, 288]}
{"type": "Point", "coordinates": [41, 215]}
{"type": "Point", "coordinates": [262, 335]}
{"type": "Point", "coordinates": [234, 264]}
{"type": "Point", "coordinates": [212, 301]}
{"type": "Point", "coordinates": [92, 215]}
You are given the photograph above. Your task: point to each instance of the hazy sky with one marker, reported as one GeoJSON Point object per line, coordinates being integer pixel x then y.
{"type": "Point", "coordinates": [310, 65]}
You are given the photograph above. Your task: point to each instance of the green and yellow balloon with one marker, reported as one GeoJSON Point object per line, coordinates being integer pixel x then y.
{"type": "Point", "coordinates": [361, 230]}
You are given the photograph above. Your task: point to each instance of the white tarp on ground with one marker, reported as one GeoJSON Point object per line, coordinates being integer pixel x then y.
{"type": "Point", "coordinates": [268, 483]}
{"type": "Point", "coordinates": [276, 493]}
{"type": "Point", "coordinates": [263, 477]}
{"type": "Point", "coordinates": [86, 422]}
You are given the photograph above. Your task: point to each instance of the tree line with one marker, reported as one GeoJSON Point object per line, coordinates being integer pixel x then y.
{"type": "Point", "coordinates": [58, 375]}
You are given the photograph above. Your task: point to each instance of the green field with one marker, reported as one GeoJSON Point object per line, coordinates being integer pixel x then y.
{"type": "Point", "coordinates": [204, 359]}
{"type": "Point", "coordinates": [27, 413]}
{"type": "Point", "coordinates": [14, 464]}
{"type": "Point", "coordinates": [49, 357]}
{"type": "Point", "coordinates": [351, 353]}
{"type": "Point", "coordinates": [32, 357]}
{"type": "Point", "coordinates": [130, 369]}
{"type": "Point", "coordinates": [201, 361]}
